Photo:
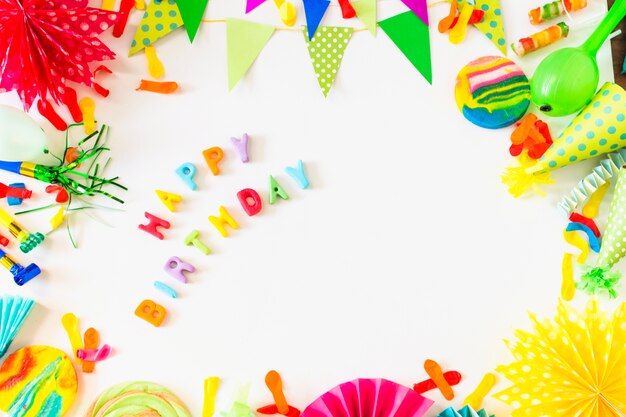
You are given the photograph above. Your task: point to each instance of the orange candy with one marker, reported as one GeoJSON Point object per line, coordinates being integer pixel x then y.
{"type": "Point", "coordinates": [213, 156]}
{"type": "Point", "coordinates": [151, 312]}
{"type": "Point", "coordinates": [92, 340]}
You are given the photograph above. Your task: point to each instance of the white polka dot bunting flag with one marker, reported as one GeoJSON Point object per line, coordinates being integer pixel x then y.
{"type": "Point", "coordinates": [159, 19]}
{"type": "Point", "coordinates": [326, 50]}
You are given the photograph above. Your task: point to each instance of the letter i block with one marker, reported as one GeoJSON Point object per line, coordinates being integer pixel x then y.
{"type": "Point", "coordinates": [151, 312]}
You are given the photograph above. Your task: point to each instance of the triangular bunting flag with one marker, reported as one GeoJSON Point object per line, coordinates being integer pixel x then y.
{"type": "Point", "coordinates": [192, 12]}
{"type": "Point", "coordinates": [314, 11]}
{"type": "Point", "coordinates": [326, 52]}
{"type": "Point", "coordinates": [244, 42]}
{"type": "Point", "coordinates": [410, 34]}
{"type": "Point", "coordinates": [419, 7]}
{"type": "Point", "coordinates": [366, 12]}
{"type": "Point", "coordinates": [491, 25]}
{"type": "Point", "coordinates": [159, 19]}
{"type": "Point", "coordinates": [253, 4]}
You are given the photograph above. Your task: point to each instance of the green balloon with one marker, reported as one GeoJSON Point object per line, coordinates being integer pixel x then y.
{"type": "Point", "coordinates": [21, 138]}
{"type": "Point", "coordinates": [566, 80]}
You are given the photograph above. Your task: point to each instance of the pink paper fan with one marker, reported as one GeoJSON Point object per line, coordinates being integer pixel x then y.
{"type": "Point", "coordinates": [369, 398]}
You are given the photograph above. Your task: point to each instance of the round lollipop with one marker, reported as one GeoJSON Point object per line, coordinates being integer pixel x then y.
{"type": "Point", "coordinates": [492, 92]}
{"type": "Point", "coordinates": [21, 138]}
{"type": "Point", "coordinates": [137, 398]}
{"type": "Point", "coordinates": [565, 80]}
{"type": "Point", "coordinates": [37, 381]}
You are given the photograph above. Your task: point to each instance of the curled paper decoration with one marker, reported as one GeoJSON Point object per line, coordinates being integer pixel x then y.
{"type": "Point", "coordinates": [13, 313]}
{"type": "Point", "coordinates": [607, 169]}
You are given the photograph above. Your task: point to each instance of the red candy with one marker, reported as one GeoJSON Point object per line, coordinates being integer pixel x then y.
{"type": "Point", "coordinates": [250, 201]}
{"type": "Point", "coordinates": [152, 226]}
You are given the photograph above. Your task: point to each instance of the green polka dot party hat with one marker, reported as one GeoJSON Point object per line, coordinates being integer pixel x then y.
{"type": "Point", "coordinates": [602, 277]}
{"type": "Point", "coordinates": [599, 128]}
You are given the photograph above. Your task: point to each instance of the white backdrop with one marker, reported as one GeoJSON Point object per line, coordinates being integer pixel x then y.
{"type": "Point", "coordinates": [406, 246]}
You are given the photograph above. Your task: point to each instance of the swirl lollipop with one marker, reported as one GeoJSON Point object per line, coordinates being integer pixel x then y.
{"type": "Point", "coordinates": [565, 80]}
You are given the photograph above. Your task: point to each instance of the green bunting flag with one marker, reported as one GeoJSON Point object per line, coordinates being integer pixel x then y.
{"type": "Point", "coordinates": [159, 19]}
{"type": "Point", "coordinates": [366, 12]}
{"type": "Point", "coordinates": [192, 12]}
{"type": "Point", "coordinates": [244, 42]}
{"type": "Point", "coordinates": [326, 51]}
{"type": "Point", "coordinates": [410, 34]}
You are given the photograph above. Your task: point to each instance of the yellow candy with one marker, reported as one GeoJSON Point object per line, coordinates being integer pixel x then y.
{"type": "Point", "coordinates": [568, 287]}
{"type": "Point", "coordinates": [169, 199]}
{"type": "Point", "coordinates": [155, 67]}
{"type": "Point", "coordinates": [210, 392]}
{"type": "Point", "coordinates": [88, 108]}
{"type": "Point", "coordinates": [576, 240]}
{"type": "Point", "coordinates": [475, 399]}
{"type": "Point", "coordinates": [593, 205]}
{"type": "Point", "coordinates": [58, 218]}
{"type": "Point", "coordinates": [70, 324]}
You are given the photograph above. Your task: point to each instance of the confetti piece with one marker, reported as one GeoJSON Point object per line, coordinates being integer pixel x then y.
{"type": "Point", "coordinates": [155, 67]}
{"type": "Point", "coordinates": [577, 241]}
{"type": "Point", "coordinates": [164, 87]}
{"type": "Point", "coordinates": [593, 205]}
{"type": "Point", "coordinates": [568, 286]}
{"type": "Point", "coordinates": [434, 371]}
{"type": "Point", "coordinates": [88, 108]}
{"type": "Point", "coordinates": [578, 218]}
{"type": "Point", "coordinates": [91, 341]}
{"type": "Point", "coordinates": [211, 384]}
{"type": "Point", "coordinates": [457, 34]}
{"type": "Point", "coordinates": [95, 355]}
{"type": "Point", "coordinates": [475, 399]}
{"type": "Point", "coordinates": [594, 243]}
{"type": "Point", "coordinates": [452, 377]}
{"type": "Point", "coordinates": [70, 324]}
{"type": "Point", "coordinates": [165, 289]}
{"type": "Point", "coordinates": [58, 218]}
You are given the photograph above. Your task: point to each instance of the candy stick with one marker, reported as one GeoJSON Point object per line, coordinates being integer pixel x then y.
{"type": "Point", "coordinates": [540, 39]}
{"type": "Point", "coordinates": [554, 9]}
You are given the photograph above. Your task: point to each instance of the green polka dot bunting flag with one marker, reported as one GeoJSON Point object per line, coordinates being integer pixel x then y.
{"type": "Point", "coordinates": [160, 19]}
{"type": "Point", "coordinates": [601, 278]}
{"type": "Point", "coordinates": [326, 51]}
{"type": "Point", "coordinates": [491, 25]}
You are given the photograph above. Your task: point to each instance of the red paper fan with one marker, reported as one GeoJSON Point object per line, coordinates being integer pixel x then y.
{"type": "Point", "coordinates": [45, 43]}
{"type": "Point", "coordinates": [369, 398]}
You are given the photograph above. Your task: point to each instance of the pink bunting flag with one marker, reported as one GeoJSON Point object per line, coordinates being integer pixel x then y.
{"type": "Point", "coordinates": [253, 4]}
{"type": "Point", "coordinates": [419, 7]}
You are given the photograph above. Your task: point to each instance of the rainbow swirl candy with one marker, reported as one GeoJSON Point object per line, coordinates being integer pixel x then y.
{"type": "Point", "coordinates": [37, 381]}
{"type": "Point", "coordinates": [138, 399]}
{"type": "Point", "coordinates": [492, 92]}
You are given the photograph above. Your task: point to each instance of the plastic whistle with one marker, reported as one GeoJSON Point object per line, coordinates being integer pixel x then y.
{"type": "Point", "coordinates": [28, 241]}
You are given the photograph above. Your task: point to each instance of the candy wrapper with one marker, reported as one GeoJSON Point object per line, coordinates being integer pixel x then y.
{"type": "Point", "coordinates": [369, 398]}
{"type": "Point", "coordinates": [44, 44]}
{"type": "Point", "coordinates": [596, 130]}
{"type": "Point", "coordinates": [570, 366]}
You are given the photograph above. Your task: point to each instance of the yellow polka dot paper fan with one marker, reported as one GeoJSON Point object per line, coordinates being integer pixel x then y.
{"type": "Point", "coordinates": [574, 365]}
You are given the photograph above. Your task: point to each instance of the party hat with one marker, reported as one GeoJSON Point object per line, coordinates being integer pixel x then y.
{"type": "Point", "coordinates": [602, 277]}
{"type": "Point", "coordinates": [13, 312]}
{"type": "Point", "coordinates": [596, 130]}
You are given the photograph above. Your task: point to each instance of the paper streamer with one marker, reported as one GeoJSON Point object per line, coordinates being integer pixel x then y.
{"type": "Point", "coordinates": [244, 42]}
{"type": "Point", "coordinates": [326, 51]}
{"type": "Point", "coordinates": [159, 20]}
{"type": "Point", "coordinates": [601, 174]}
{"type": "Point", "coordinates": [410, 34]}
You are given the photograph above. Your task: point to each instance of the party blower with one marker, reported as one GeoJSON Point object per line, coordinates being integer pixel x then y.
{"type": "Point", "coordinates": [565, 80]}
{"type": "Point", "coordinates": [28, 241]}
